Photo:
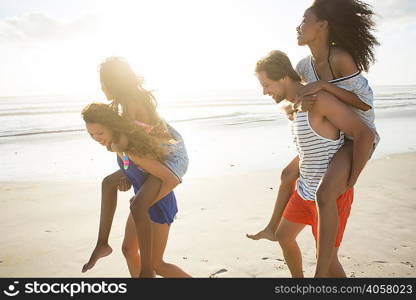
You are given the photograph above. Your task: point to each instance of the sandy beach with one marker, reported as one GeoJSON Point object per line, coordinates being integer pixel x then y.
{"type": "Point", "coordinates": [49, 229]}
{"type": "Point", "coordinates": [50, 199]}
{"type": "Point", "coordinates": [214, 75]}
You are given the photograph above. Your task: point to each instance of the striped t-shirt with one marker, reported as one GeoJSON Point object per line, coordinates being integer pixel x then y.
{"type": "Point", "coordinates": [315, 154]}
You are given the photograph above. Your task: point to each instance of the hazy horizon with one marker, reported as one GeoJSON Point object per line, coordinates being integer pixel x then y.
{"type": "Point", "coordinates": [181, 46]}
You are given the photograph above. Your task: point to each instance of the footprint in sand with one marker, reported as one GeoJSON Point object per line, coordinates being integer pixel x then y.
{"type": "Point", "coordinates": [408, 263]}
{"type": "Point", "coordinates": [218, 272]}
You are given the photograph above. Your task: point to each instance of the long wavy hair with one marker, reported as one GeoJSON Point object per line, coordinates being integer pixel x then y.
{"type": "Point", "coordinates": [350, 27]}
{"type": "Point", "coordinates": [140, 143]}
{"type": "Point", "coordinates": [126, 87]}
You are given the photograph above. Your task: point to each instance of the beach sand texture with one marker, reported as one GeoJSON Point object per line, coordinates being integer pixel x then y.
{"type": "Point", "coordinates": [49, 229]}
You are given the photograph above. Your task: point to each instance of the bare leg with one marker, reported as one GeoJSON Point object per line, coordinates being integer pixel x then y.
{"type": "Point", "coordinates": [162, 268]}
{"type": "Point", "coordinates": [286, 236]}
{"type": "Point", "coordinates": [333, 185]}
{"type": "Point", "coordinates": [130, 248]}
{"type": "Point", "coordinates": [108, 208]}
{"type": "Point", "coordinates": [144, 199]}
{"type": "Point", "coordinates": [335, 269]}
{"type": "Point", "coordinates": [289, 175]}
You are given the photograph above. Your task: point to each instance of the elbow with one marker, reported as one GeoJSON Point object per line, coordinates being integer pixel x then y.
{"type": "Point", "coordinates": [361, 104]}
{"type": "Point", "coordinates": [366, 107]}
{"type": "Point", "coordinates": [171, 182]}
{"type": "Point", "coordinates": [174, 183]}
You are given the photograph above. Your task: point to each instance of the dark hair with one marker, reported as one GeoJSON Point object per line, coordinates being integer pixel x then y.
{"type": "Point", "coordinates": [126, 87]}
{"type": "Point", "coordinates": [139, 141]}
{"type": "Point", "coordinates": [276, 65]}
{"type": "Point", "coordinates": [350, 25]}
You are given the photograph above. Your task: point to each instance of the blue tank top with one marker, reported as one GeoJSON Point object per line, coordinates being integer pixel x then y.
{"type": "Point", "coordinates": [165, 209]}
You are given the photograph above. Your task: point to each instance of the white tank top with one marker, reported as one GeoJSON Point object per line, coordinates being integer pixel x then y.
{"type": "Point", "coordinates": [315, 154]}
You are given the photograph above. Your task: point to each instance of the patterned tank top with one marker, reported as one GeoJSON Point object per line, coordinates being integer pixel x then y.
{"type": "Point", "coordinates": [315, 154]}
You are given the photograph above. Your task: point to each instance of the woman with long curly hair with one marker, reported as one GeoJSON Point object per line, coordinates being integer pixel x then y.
{"type": "Point", "coordinates": [146, 157]}
{"type": "Point", "coordinates": [138, 107]}
{"type": "Point", "coordinates": [339, 36]}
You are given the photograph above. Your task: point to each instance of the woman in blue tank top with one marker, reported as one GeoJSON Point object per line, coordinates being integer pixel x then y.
{"type": "Point", "coordinates": [144, 155]}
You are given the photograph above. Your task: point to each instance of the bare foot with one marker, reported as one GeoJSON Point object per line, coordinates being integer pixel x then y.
{"type": "Point", "coordinates": [100, 251]}
{"type": "Point", "coordinates": [266, 233]}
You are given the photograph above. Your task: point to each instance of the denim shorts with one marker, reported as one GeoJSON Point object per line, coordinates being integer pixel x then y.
{"type": "Point", "coordinates": [177, 159]}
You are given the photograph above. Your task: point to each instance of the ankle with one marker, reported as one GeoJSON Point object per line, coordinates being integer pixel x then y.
{"type": "Point", "coordinates": [271, 227]}
{"type": "Point", "coordinates": [102, 243]}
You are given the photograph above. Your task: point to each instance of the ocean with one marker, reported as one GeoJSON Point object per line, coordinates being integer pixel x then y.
{"type": "Point", "coordinates": [226, 133]}
{"type": "Point", "coordinates": [28, 115]}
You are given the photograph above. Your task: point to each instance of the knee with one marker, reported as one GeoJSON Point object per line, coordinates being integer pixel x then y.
{"type": "Point", "coordinates": [283, 238]}
{"type": "Point", "coordinates": [128, 250]}
{"type": "Point", "coordinates": [321, 196]}
{"type": "Point", "coordinates": [326, 195]}
{"type": "Point", "coordinates": [138, 209]}
{"type": "Point", "coordinates": [109, 182]}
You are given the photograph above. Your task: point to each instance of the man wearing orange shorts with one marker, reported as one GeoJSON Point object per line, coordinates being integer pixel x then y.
{"type": "Point", "coordinates": [318, 135]}
{"type": "Point", "coordinates": [303, 211]}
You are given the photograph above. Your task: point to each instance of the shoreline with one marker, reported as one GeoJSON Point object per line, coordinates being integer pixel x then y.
{"type": "Point", "coordinates": [214, 148]}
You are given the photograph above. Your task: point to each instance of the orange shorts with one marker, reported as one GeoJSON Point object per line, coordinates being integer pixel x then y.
{"type": "Point", "coordinates": [305, 212]}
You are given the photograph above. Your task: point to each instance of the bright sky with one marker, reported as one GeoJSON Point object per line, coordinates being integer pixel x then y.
{"type": "Point", "coordinates": [55, 46]}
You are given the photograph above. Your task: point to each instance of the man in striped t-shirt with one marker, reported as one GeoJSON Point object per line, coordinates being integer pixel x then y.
{"type": "Point", "coordinates": [318, 135]}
